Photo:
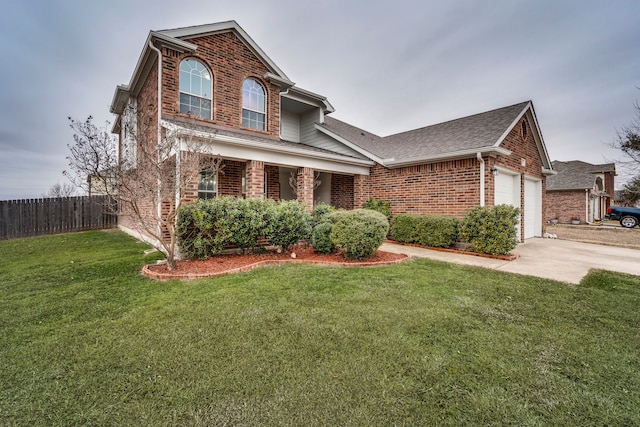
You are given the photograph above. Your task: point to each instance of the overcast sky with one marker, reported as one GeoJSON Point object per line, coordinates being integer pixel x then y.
{"type": "Point", "coordinates": [385, 66]}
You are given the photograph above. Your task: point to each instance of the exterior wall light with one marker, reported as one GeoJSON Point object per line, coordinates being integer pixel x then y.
{"type": "Point", "coordinates": [494, 171]}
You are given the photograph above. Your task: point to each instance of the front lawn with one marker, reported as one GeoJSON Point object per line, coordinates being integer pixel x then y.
{"type": "Point", "coordinates": [85, 340]}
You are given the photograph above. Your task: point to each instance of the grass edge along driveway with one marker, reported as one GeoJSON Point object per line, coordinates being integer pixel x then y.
{"type": "Point", "coordinates": [85, 340]}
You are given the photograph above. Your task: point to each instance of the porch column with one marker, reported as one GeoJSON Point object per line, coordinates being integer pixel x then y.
{"type": "Point", "coordinates": [360, 190]}
{"type": "Point", "coordinates": [305, 187]}
{"type": "Point", "coordinates": [255, 179]}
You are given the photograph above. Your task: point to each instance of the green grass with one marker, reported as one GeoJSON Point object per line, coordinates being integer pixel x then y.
{"type": "Point", "coordinates": [86, 340]}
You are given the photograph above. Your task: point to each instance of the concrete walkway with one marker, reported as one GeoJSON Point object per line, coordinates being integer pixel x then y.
{"type": "Point", "coordinates": [561, 260]}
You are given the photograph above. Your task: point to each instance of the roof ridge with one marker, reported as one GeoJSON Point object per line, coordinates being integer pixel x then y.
{"type": "Point", "coordinates": [460, 118]}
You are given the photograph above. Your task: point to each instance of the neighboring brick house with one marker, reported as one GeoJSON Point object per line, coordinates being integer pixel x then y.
{"type": "Point", "coordinates": [219, 87]}
{"type": "Point", "coordinates": [580, 191]}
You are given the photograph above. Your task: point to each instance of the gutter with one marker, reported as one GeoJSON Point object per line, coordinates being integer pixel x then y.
{"type": "Point", "coordinates": [462, 154]}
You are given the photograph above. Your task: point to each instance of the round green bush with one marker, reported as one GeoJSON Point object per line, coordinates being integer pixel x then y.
{"type": "Point", "coordinates": [359, 233]}
{"type": "Point", "coordinates": [321, 238]}
{"type": "Point", "coordinates": [491, 231]}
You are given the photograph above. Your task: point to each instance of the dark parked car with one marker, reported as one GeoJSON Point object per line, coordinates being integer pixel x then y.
{"type": "Point", "coordinates": [629, 217]}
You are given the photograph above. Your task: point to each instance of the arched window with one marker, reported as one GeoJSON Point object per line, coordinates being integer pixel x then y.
{"type": "Point", "coordinates": [253, 105]}
{"type": "Point", "coordinates": [196, 88]}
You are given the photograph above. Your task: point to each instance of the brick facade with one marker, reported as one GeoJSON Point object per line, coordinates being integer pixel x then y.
{"type": "Point", "coordinates": [566, 205]}
{"type": "Point", "coordinates": [230, 63]}
{"type": "Point", "coordinates": [342, 191]}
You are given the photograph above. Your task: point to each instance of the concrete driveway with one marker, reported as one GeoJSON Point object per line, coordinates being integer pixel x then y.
{"type": "Point", "coordinates": [561, 260]}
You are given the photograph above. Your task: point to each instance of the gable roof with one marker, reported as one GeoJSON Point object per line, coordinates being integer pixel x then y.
{"type": "Point", "coordinates": [576, 175]}
{"type": "Point", "coordinates": [464, 137]}
{"type": "Point", "coordinates": [178, 39]}
{"type": "Point", "coordinates": [186, 33]}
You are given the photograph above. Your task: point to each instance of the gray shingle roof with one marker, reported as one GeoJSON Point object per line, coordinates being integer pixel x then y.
{"type": "Point", "coordinates": [476, 131]}
{"type": "Point", "coordinates": [576, 175]}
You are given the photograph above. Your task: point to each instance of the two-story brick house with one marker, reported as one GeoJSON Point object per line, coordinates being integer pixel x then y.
{"type": "Point", "coordinates": [213, 83]}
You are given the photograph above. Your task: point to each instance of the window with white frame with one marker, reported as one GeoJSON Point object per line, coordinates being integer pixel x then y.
{"type": "Point", "coordinates": [253, 105]}
{"type": "Point", "coordinates": [208, 185]}
{"type": "Point", "coordinates": [196, 88]}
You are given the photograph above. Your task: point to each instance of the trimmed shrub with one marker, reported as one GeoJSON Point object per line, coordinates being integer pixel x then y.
{"type": "Point", "coordinates": [321, 213]}
{"type": "Point", "coordinates": [290, 225]}
{"type": "Point", "coordinates": [428, 230]}
{"type": "Point", "coordinates": [359, 233]}
{"type": "Point", "coordinates": [321, 238]}
{"type": "Point", "coordinates": [491, 231]}
{"type": "Point", "coordinates": [382, 206]}
{"type": "Point", "coordinates": [206, 227]}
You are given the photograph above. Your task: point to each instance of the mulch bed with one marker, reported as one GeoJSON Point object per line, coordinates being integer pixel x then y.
{"type": "Point", "coordinates": [234, 263]}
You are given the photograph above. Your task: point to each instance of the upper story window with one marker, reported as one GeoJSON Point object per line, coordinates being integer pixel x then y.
{"type": "Point", "coordinates": [253, 105]}
{"type": "Point", "coordinates": [196, 88]}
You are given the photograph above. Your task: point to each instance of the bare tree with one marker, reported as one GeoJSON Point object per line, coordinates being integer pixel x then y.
{"type": "Point", "coordinates": [628, 141]}
{"type": "Point", "coordinates": [149, 181]}
{"type": "Point", "coordinates": [61, 190]}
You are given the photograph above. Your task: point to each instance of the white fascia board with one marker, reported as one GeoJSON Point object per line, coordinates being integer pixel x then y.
{"type": "Point", "coordinates": [284, 83]}
{"type": "Point", "coordinates": [455, 155]}
{"type": "Point", "coordinates": [547, 172]}
{"type": "Point", "coordinates": [349, 144]}
{"type": "Point", "coordinates": [512, 125]}
{"type": "Point", "coordinates": [542, 146]}
{"type": "Point", "coordinates": [254, 150]}
{"type": "Point", "coordinates": [328, 108]}
{"type": "Point", "coordinates": [120, 98]}
{"type": "Point", "coordinates": [537, 135]}
{"type": "Point", "coordinates": [172, 42]}
{"type": "Point", "coordinates": [301, 99]}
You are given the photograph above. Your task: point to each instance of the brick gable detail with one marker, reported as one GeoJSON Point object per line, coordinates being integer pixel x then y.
{"type": "Point", "coordinates": [230, 62]}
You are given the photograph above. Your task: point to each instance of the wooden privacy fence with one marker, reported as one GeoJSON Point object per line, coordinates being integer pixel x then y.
{"type": "Point", "coordinates": [35, 217]}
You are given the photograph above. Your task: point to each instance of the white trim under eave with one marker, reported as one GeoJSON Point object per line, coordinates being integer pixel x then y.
{"type": "Point", "coordinates": [349, 144]}
{"type": "Point", "coordinates": [273, 148]}
{"type": "Point", "coordinates": [455, 155]}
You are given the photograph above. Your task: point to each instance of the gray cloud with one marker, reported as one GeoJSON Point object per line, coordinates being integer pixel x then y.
{"type": "Point", "coordinates": [387, 67]}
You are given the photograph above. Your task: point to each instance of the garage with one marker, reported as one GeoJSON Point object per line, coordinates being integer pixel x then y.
{"type": "Point", "coordinates": [507, 190]}
{"type": "Point", "coordinates": [532, 207]}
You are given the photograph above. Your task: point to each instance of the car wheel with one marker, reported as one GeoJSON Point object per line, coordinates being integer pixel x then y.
{"type": "Point", "coordinates": [628, 222]}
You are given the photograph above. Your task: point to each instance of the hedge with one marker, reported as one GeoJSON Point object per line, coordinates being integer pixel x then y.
{"type": "Point", "coordinates": [491, 230]}
{"type": "Point", "coordinates": [427, 230]}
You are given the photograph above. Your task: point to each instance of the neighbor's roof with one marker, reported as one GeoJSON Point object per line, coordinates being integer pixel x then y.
{"type": "Point", "coordinates": [464, 137]}
{"type": "Point", "coordinates": [576, 175]}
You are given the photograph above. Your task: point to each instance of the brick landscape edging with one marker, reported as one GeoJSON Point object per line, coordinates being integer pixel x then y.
{"type": "Point", "coordinates": [171, 275]}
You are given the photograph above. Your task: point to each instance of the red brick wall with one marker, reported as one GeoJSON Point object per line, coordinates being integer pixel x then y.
{"type": "Point", "coordinates": [451, 187]}
{"type": "Point", "coordinates": [230, 179]}
{"type": "Point", "coordinates": [230, 62]}
{"type": "Point", "coordinates": [565, 205]}
{"type": "Point", "coordinates": [273, 182]}
{"type": "Point", "coordinates": [448, 188]}
{"type": "Point", "coordinates": [342, 191]}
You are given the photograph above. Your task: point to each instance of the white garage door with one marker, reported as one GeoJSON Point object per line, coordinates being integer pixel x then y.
{"type": "Point", "coordinates": [532, 208]}
{"type": "Point", "coordinates": [507, 190]}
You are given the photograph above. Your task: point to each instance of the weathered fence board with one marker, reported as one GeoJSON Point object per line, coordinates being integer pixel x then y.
{"type": "Point", "coordinates": [35, 217]}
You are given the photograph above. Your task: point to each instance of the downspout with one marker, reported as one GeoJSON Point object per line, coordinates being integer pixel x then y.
{"type": "Point", "coordinates": [157, 51]}
{"type": "Point", "coordinates": [481, 160]}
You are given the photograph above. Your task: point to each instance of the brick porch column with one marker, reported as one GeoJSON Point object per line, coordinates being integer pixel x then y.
{"type": "Point", "coordinates": [305, 187]}
{"type": "Point", "coordinates": [255, 179]}
{"type": "Point", "coordinates": [360, 190]}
